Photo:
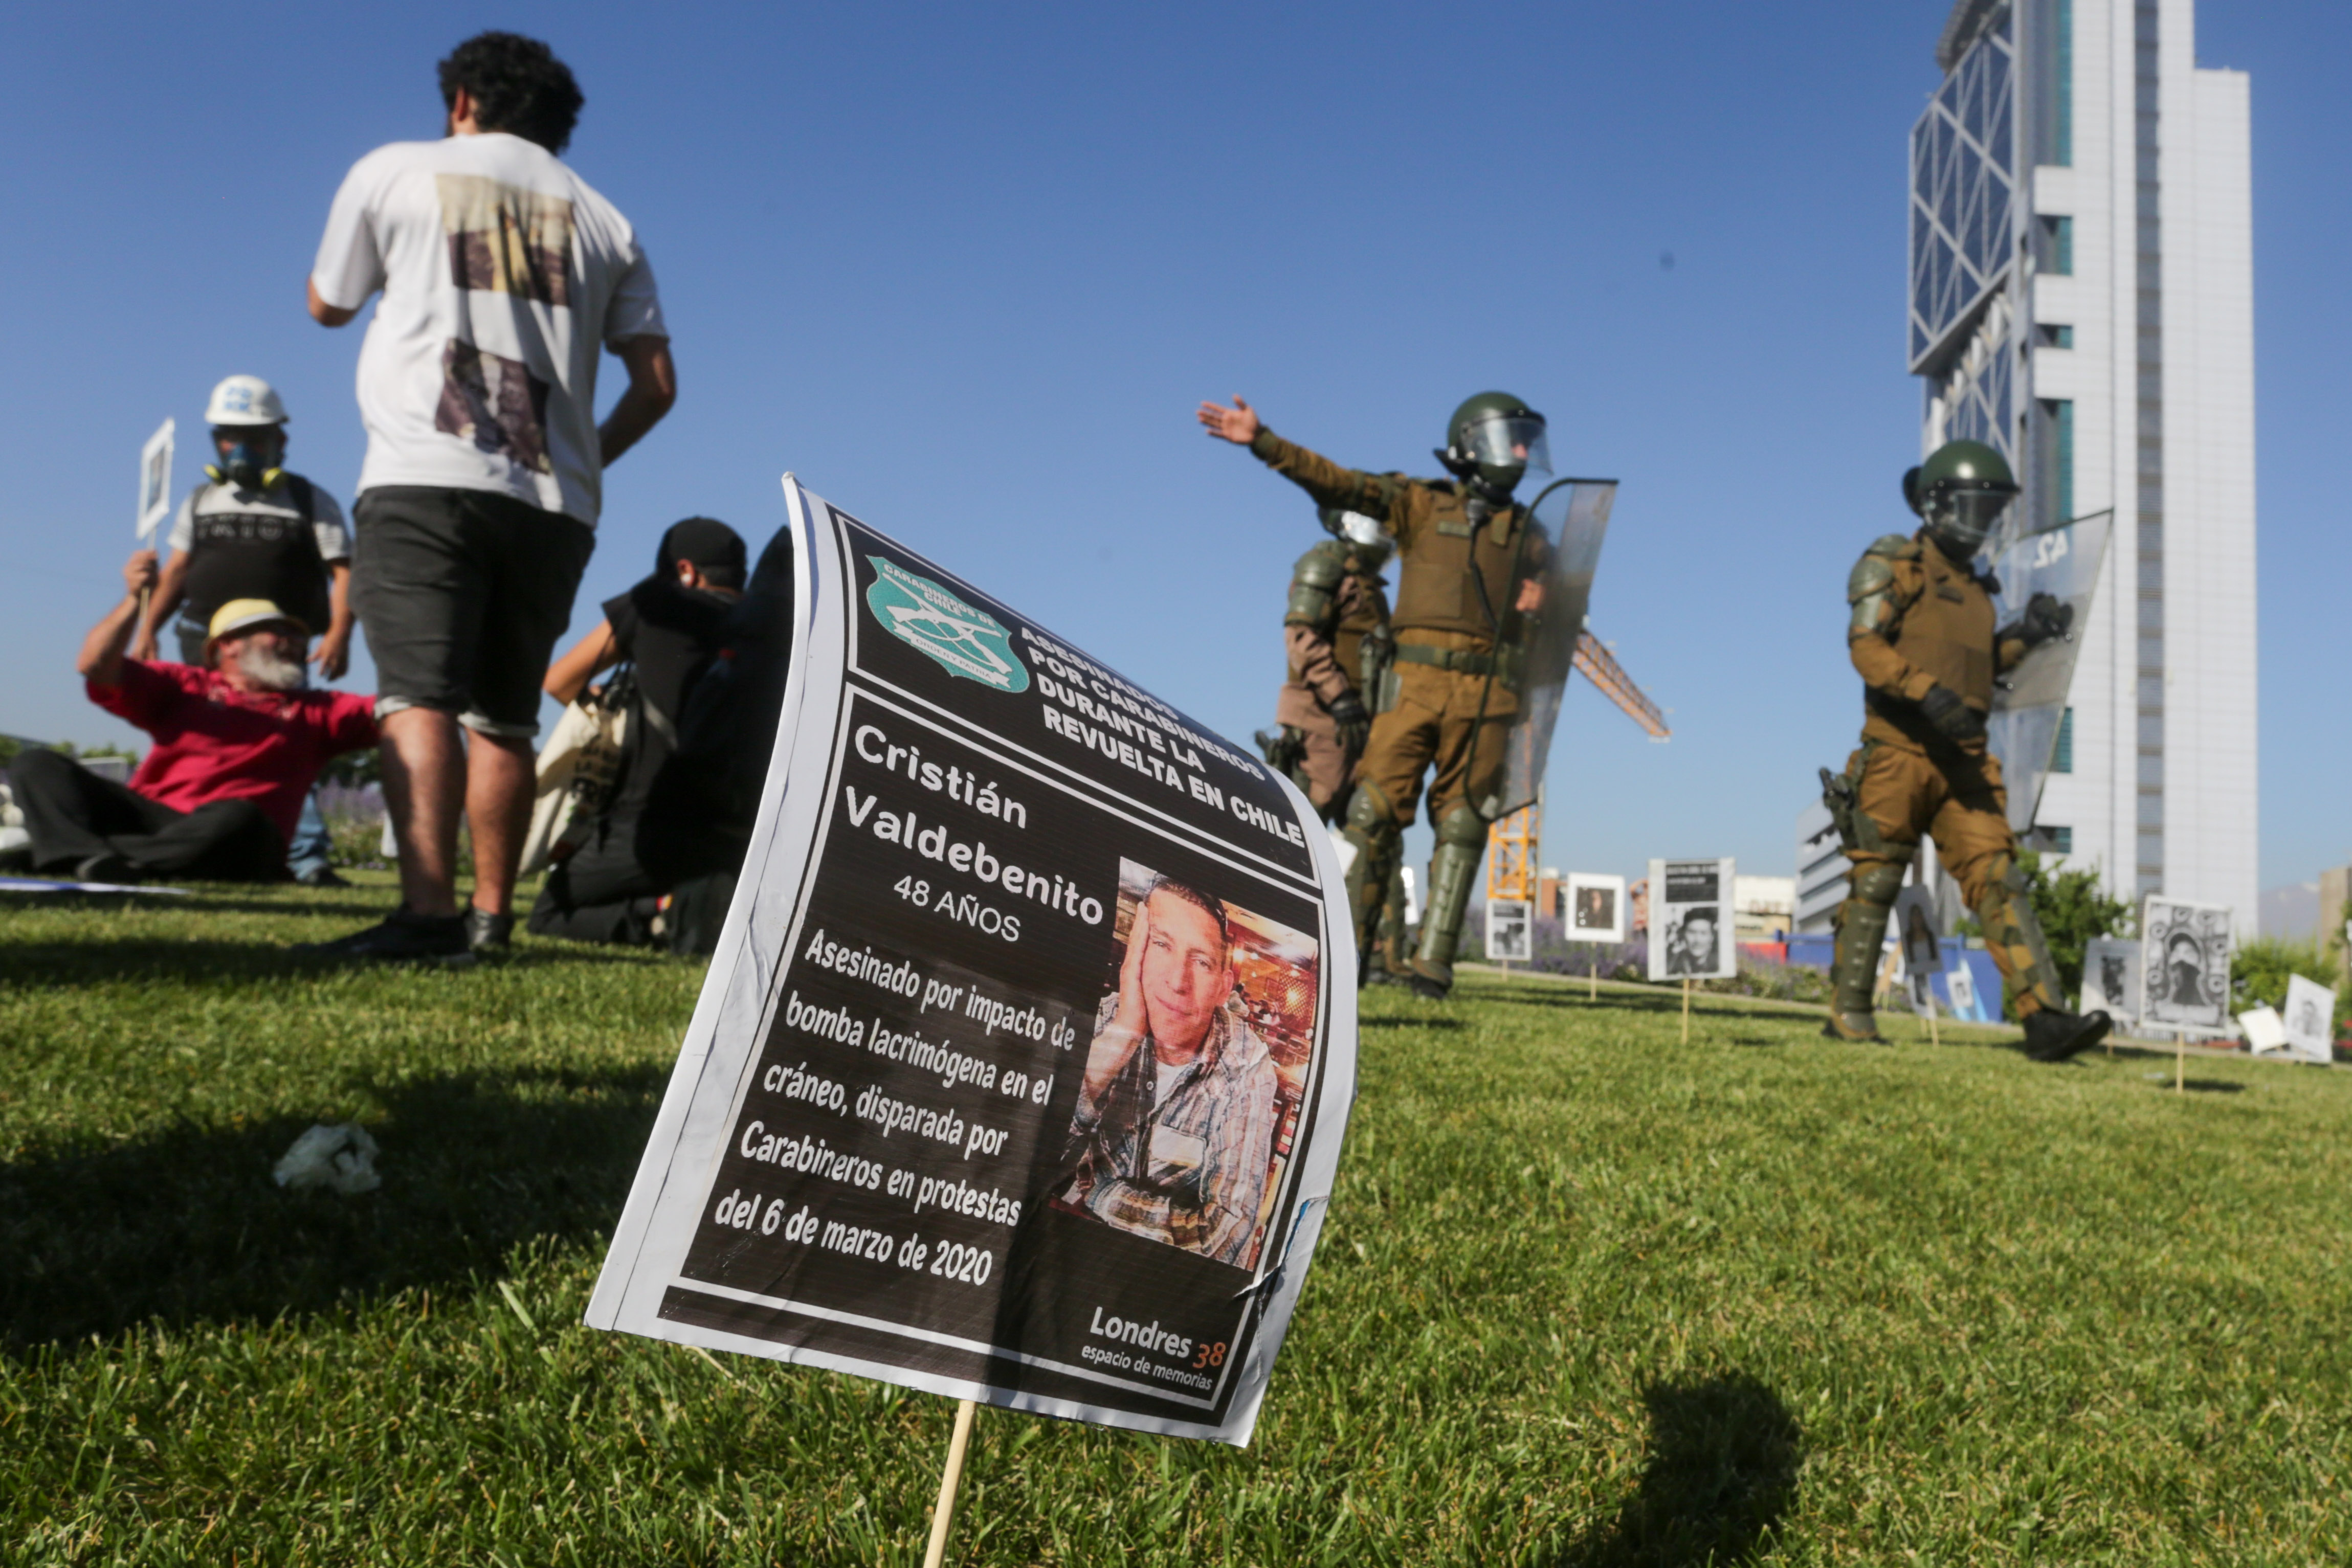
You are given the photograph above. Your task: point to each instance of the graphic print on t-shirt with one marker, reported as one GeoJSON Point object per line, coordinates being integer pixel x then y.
{"type": "Point", "coordinates": [504, 239]}
{"type": "Point", "coordinates": [495, 403]}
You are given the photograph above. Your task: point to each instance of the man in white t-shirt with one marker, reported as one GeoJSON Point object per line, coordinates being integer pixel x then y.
{"type": "Point", "coordinates": [504, 277]}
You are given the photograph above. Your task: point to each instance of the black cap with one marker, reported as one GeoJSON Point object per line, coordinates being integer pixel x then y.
{"type": "Point", "coordinates": [713, 546]}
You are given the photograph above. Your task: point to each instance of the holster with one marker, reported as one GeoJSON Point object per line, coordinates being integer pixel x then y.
{"type": "Point", "coordinates": [1377, 662]}
{"type": "Point", "coordinates": [1838, 794]}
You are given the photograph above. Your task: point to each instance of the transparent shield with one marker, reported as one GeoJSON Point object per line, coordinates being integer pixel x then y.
{"type": "Point", "coordinates": [1571, 518]}
{"type": "Point", "coordinates": [2029, 703]}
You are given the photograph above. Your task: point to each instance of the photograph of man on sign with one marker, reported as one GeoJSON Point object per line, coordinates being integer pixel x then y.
{"type": "Point", "coordinates": [1178, 1123]}
{"type": "Point", "coordinates": [1691, 950]}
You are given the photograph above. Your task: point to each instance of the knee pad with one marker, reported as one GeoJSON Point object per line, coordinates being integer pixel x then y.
{"type": "Point", "coordinates": [1462, 825]}
{"type": "Point", "coordinates": [1369, 811]}
{"type": "Point", "coordinates": [1876, 882]}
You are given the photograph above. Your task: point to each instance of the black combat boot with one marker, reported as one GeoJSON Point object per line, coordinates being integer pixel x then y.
{"type": "Point", "coordinates": [2054, 1036]}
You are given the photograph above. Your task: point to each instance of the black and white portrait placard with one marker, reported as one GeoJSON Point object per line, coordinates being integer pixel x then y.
{"type": "Point", "coordinates": [1511, 931]}
{"type": "Point", "coordinates": [1691, 921]}
{"type": "Point", "coordinates": [2111, 978]}
{"type": "Point", "coordinates": [1596, 907]}
{"type": "Point", "coordinates": [1020, 1072]}
{"type": "Point", "coordinates": [2185, 966]}
{"type": "Point", "coordinates": [2309, 1017]}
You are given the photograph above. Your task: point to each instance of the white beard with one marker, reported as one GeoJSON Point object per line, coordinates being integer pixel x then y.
{"type": "Point", "coordinates": [271, 670]}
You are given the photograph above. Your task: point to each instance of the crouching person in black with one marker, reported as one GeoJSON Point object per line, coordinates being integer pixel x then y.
{"type": "Point", "coordinates": [658, 861]}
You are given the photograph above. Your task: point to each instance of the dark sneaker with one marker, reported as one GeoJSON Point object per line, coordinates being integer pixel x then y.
{"type": "Point", "coordinates": [108, 867]}
{"type": "Point", "coordinates": [2052, 1036]}
{"type": "Point", "coordinates": [322, 876]}
{"type": "Point", "coordinates": [403, 937]}
{"type": "Point", "coordinates": [489, 933]}
{"type": "Point", "coordinates": [1861, 1028]}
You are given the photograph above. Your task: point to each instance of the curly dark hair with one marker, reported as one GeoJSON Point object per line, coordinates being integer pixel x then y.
{"type": "Point", "coordinates": [517, 85]}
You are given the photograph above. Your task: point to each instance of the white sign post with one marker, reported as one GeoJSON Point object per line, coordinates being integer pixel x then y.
{"type": "Point", "coordinates": [2310, 1010]}
{"type": "Point", "coordinates": [1692, 936]}
{"type": "Point", "coordinates": [2111, 979]}
{"type": "Point", "coordinates": [1923, 950]}
{"type": "Point", "coordinates": [2184, 972]}
{"type": "Point", "coordinates": [155, 480]}
{"type": "Point", "coordinates": [1510, 932]}
{"type": "Point", "coordinates": [1596, 914]}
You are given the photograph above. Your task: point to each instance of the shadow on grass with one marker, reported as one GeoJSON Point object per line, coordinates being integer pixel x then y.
{"type": "Point", "coordinates": [187, 1228]}
{"type": "Point", "coordinates": [1723, 1454]}
{"type": "Point", "coordinates": [53, 966]}
{"type": "Point", "coordinates": [1441, 1021]}
{"type": "Point", "coordinates": [2207, 1086]}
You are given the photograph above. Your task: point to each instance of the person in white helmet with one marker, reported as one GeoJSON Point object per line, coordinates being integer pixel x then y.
{"type": "Point", "coordinates": [254, 529]}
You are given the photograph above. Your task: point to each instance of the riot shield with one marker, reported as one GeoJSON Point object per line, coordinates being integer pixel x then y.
{"type": "Point", "coordinates": [2029, 703]}
{"type": "Point", "coordinates": [1560, 550]}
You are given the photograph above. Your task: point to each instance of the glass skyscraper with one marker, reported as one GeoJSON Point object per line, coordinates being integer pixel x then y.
{"type": "Point", "coordinates": [2082, 297]}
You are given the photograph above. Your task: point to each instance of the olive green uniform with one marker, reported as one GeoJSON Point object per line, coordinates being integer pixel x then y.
{"type": "Point", "coordinates": [1334, 603]}
{"type": "Point", "coordinates": [1450, 702]}
{"type": "Point", "coordinates": [1919, 621]}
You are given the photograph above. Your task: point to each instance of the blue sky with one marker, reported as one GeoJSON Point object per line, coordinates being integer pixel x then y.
{"type": "Point", "coordinates": [968, 272]}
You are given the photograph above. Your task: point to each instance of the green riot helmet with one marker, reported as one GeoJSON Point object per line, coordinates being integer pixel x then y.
{"type": "Point", "coordinates": [1369, 543]}
{"type": "Point", "coordinates": [1964, 487]}
{"type": "Point", "coordinates": [1492, 441]}
{"type": "Point", "coordinates": [1911, 488]}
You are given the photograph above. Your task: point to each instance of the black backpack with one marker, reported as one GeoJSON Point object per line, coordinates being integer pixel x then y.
{"type": "Point", "coordinates": [727, 725]}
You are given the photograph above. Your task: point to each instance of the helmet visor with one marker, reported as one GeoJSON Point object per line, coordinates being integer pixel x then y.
{"type": "Point", "coordinates": [1508, 441]}
{"type": "Point", "coordinates": [1970, 512]}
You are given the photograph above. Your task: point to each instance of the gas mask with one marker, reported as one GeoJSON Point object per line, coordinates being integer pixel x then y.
{"type": "Point", "coordinates": [252, 459]}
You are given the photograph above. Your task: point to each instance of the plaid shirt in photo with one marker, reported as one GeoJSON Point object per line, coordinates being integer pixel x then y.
{"type": "Point", "coordinates": [1182, 1156]}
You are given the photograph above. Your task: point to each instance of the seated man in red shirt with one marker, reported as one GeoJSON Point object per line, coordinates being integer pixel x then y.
{"type": "Point", "coordinates": [238, 747]}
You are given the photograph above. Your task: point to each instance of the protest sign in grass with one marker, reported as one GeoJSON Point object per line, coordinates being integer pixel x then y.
{"type": "Point", "coordinates": [1587, 1296]}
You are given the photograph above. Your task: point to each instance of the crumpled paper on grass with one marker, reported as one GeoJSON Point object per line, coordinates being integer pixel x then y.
{"type": "Point", "coordinates": [340, 1158]}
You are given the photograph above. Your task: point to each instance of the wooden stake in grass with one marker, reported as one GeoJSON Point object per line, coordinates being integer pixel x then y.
{"type": "Point", "coordinates": [1593, 991]}
{"type": "Point", "coordinates": [943, 1513]}
{"type": "Point", "coordinates": [1932, 1039]}
{"type": "Point", "coordinates": [2181, 1062]}
{"type": "Point", "coordinates": [1687, 992]}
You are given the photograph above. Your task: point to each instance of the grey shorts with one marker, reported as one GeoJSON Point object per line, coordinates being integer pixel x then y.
{"type": "Point", "coordinates": [462, 594]}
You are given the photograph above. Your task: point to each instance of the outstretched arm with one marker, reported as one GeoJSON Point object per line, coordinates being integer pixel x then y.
{"type": "Point", "coordinates": [101, 651]}
{"type": "Point", "coordinates": [1370, 493]}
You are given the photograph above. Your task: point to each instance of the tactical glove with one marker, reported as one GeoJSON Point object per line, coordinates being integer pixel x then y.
{"type": "Point", "coordinates": [2045, 617]}
{"type": "Point", "coordinates": [1954, 718]}
{"type": "Point", "coordinates": [1355, 724]}
{"type": "Point", "coordinates": [1285, 748]}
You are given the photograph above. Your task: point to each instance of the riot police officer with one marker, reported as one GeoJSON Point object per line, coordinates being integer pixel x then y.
{"type": "Point", "coordinates": [1922, 635]}
{"type": "Point", "coordinates": [1446, 704]}
{"type": "Point", "coordinates": [1339, 599]}
{"type": "Point", "coordinates": [1335, 627]}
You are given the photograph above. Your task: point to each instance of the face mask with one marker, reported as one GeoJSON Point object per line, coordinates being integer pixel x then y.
{"type": "Point", "coordinates": [245, 465]}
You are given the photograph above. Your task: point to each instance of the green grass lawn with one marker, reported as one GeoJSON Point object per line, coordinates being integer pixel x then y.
{"type": "Point", "coordinates": [1588, 1296]}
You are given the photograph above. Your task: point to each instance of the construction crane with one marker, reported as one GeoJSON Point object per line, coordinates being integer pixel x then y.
{"type": "Point", "coordinates": [1512, 843]}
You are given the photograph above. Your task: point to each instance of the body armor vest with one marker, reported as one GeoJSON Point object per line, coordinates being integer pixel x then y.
{"type": "Point", "coordinates": [1948, 631]}
{"type": "Point", "coordinates": [1344, 612]}
{"type": "Point", "coordinates": [1439, 581]}
{"type": "Point", "coordinates": [254, 554]}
